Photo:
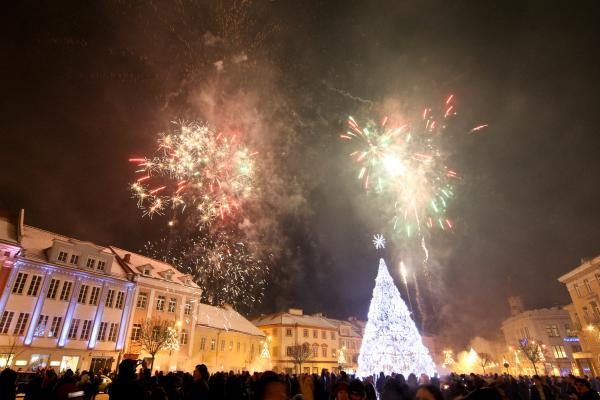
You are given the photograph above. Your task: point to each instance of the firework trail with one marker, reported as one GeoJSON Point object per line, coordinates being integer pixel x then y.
{"type": "Point", "coordinates": [196, 168]}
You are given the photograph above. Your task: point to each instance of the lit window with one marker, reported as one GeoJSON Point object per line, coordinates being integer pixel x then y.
{"type": "Point", "coordinates": [74, 259]}
{"type": "Point", "coordinates": [62, 256]}
{"type": "Point", "coordinates": [135, 332]}
{"type": "Point", "coordinates": [34, 286]}
{"type": "Point", "coordinates": [101, 265]}
{"type": "Point", "coordinates": [141, 300]}
{"type": "Point", "coordinates": [559, 352]}
{"type": "Point", "coordinates": [172, 304]}
{"type": "Point", "coordinates": [19, 283]}
{"type": "Point", "coordinates": [187, 310]}
{"type": "Point", "coordinates": [160, 303]}
{"type": "Point", "coordinates": [213, 344]}
{"type": "Point", "coordinates": [184, 337]}
{"type": "Point", "coordinates": [90, 263]}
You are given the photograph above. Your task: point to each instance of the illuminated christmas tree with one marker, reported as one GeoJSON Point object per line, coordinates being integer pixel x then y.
{"type": "Point", "coordinates": [391, 342]}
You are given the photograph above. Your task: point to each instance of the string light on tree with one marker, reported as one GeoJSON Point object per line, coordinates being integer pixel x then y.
{"type": "Point", "coordinates": [448, 358]}
{"type": "Point", "coordinates": [391, 342]}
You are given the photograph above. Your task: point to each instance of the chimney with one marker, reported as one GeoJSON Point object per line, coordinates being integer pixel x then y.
{"type": "Point", "coordinates": [296, 311]}
{"type": "Point", "coordinates": [127, 258]}
{"type": "Point", "coordinates": [20, 224]}
{"type": "Point", "coordinates": [516, 305]}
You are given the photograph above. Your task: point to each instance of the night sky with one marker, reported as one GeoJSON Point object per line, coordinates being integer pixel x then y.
{"type": "Point", "coordinates": [86, 85]}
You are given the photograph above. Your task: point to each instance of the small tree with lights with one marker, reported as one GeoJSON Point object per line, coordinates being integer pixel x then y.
{"type": "Point", "coordinates": [533, 351]}
{"type": "Point", "coordinates": [300, 353]}
{"type": "Point", "coordinates": [485, 360]}
{"type": "Point", "coordinates": [157, 334]}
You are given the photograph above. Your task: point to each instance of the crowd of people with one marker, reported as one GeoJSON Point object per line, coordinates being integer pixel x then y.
{"type": "Point", "coordinates": [133, 381]}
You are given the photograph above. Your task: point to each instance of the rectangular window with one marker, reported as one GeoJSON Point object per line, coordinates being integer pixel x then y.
{"type": "Point", "coordinates": [552, 331]}
{"type": "Point", "coordinates": [94, 296]}
{"type": "Point", "coordinates": [141, 300]}
{"type": "Point", "coordinates": [202, 343]}
{"type": "Point", "coordinates": [102, 332]}
{"type": "Point", "coordinates": [184, 337]}
{"type": "Point", "coordinates": [90, 263]}
{"type": "Point", "coordinates": [120, 300]}
{"type": "Point", "coordinates": [74, 259]}
{"type": "Point", "coordinates": [324, 351]}
{"type": "Point", "coordinates": [101, 265]}
{"type": "Point", "coordinates": [53, 289]}
{"type": "Point", "coordinates": [112, 332]}
{"type": "Point", "coordinates": [230, 345]}
{"type": "Point", "coordinates": [323, 335]}
{"type": "Point", "coordinates": [578, 290]}
{"type": "Point", "coordinates": [110, 298]}
{"type": "Point", "coordinates": [135, 332]}
{"type": "Point", "coordinates": [34, 286]}
{"type": "Point", "coordinates": [65, 293]}
{"type": "Point", "coordinates": [288, 351]}
{"type": "Point", "coordinates": [62, 256]}
{"type": "Point", "coordinates": [238, 346]}
{"type": "Point", "coordinates": [6, 320]}
{"type": "Point", "coordinates": [288, 331]}
{"type": "Point", "coordinates": [222, 345]}
{"type": "Point", "coordinates": [332, 335]}
{"type": "Point", "coordinates": [188, 308]}
{"type": "Point", "coordinates": [587, 286]}
{"type": "Point", "coordinates": [86, 329]}
{"type": "Point", "coordinates": [315, 350]}
{"type": "Point", "coordinates": [559, 352]}
{"type": "Point", "coordinates": [41, 325]}
{"type": "Point", "coordinates": [160, 303]}
{"type": "Point", "coordinates": [19, 283]}
{"type": "Point", "coordinates": [172, 304]}
{"type": "Point", "coordinates": [73, 329]}
{"type": "Point", "coordinates": [315, 334]}
{"type": "Point", "coordinates": [21, 324]}
{"type": "Point", "coordinates": [83, 292]}
{"type": "Point", "coordinates": [213, 344]}
{"type": "Point", "coordinates": [305, 333]}
{"type": "Point", "coordinates": [55, 327]}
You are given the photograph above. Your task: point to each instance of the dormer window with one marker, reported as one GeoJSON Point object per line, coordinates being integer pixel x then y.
{"type": "Point", "coordinates": [101, 265]}
{"type": "Point", "coordinates": [168, 275]}
{"type": "Point", "coordinates": [146, 271]}
{"type": "Point", "coordinates": [74, 259]}
{"type": "Point", "coordinates": [90, 263]}
{"type": "Point", "coordinates": [62, 256]}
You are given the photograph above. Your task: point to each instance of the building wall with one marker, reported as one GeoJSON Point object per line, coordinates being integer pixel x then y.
{"type": "Point", "coordinates": [549, 327]}
{"type": "Point", "coordinates": [583, 285]}
{"type": "Point", "coordinates": [283, 337]}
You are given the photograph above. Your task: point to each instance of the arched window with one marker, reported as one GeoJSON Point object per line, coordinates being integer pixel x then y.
{"type": "Point", "coordinates": [315, 350]}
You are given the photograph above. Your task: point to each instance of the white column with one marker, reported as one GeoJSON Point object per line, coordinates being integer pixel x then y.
{"type": "Point", "coordinates": [9, 284]}
{"type": "Point", "coordinates": [98, 317]}
{"type": "Point", "coordinates": [150, 303]}
{"type": "Point", "coordinates": [125, 318]}
{"type": "Point", "coordinates": [37, 310]}
{"type": "Point", "coordinates": [62, 339]}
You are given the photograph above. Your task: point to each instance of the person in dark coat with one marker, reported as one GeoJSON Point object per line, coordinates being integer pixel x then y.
{"type": "Point", "coordinates": [539, 390]}
{"type": "Point", "coordinates": [198, 389]}
{"type": "Point", "coordinates": [8, 390]}
{"type": "Point", "coordinates": [584, 390]}
{"type": "Point", "coordinates": [126, 386]}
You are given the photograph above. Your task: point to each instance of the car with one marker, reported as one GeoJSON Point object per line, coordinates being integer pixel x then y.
{"type": "Point", "coordinates": [104, 382]}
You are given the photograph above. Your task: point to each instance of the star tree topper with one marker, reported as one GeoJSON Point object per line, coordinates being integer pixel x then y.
{"type": "Point", "coordinates": [379, 241]}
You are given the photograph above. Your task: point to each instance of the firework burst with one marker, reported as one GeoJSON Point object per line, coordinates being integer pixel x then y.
{"type": "Point", "coordinates": [195, 167]}
{"type": "Point", "coordinates": [404, 163]}
{"type": "Point", "coordinates": [224, 267]}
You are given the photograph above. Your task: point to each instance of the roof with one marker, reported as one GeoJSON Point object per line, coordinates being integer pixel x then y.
{"type": "Point", "coordinates": [8, 231]}
{"type": "Point", "coordinates": [157, 269]}
{"type": "Point", "coordinates": [225, 318]}
{"type": "Point", "coordinates": [583, 269]}
{"type": "Point", "coordinates": [285, 318]}
{"type": "Point", "coordinates": [354, 332]}
{"type": "Point", "coordinates": [541, 313]}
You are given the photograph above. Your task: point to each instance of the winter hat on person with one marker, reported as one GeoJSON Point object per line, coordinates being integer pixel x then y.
{"type": "Point", "coordinates": [357, 387]}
